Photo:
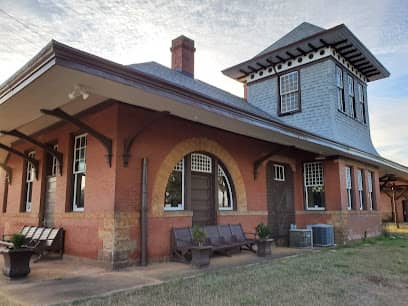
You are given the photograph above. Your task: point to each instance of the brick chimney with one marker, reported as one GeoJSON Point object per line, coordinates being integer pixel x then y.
{"type": "Point", "coordinates": [182, 55]}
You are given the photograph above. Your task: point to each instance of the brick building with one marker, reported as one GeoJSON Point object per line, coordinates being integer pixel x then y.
{"type": "Point", "coordinates": [118, 155]}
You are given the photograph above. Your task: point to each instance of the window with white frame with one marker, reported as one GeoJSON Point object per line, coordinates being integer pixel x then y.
{"type": "Point", "coordinates": [52, 163]}
{"type": "Point", "coordinates": [174, 194]}
{"type": "Point", "coordinates": [352, 100]}
{"type": "Point", "coordinates": [289, 92]}
{"type": "Point", "coordinates": [370, 177]}
{"type": "Point", "coordinates": [361, 100]}
{"type": "Point", "coordinates": [201, 163]}
{"type": "Point", "coordinates": [340, 89]}
{"type": "Point", "coordinates": [314, 186]}
{"type": "Point", "coordinates": [79, 172]}
{"type": "Point", "coordinates": [225, 201]}
{"type": "Point", "coordinates": [278, 172]}
{"type": "Point", "coordinates": [360, 188]}
{"type": "Point", "coordinates": [28, 188]}
{"type": "Point", "coordinates": [349, 187]}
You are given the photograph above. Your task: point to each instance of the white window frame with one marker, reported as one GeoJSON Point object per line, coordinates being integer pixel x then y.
{"type": "Point", "coordinates": [360, 188]}
{"type": "Point", "coordinates": [201, 163]}
{"type": "Point", "coordinates": [294, 92]}
{"type": "Point", "coordinates": [29, 182]}
{"type": "Point", "coordinates": [361, 100]}
{"type": "Point", "coordinates": [319, 184]}
{"type": "Point", "coordinates": [370, 177]}
{"type": "Point", "coordinates": [349, 186]}
{"type": "Point", "coordinates": [76, 172]}
{"type": "Point", "coordinates": [340, 90]}
{"type": "Point", "coordinates": [279, 172]}
{"type": "Point", "coordinates": [221, 172]}
{"type": "Point", "coordinates": [54, 161]}
{"type": "Point", "coordinates": [351, 96]}
{"type": "Point", "coordinates": [168, 207]}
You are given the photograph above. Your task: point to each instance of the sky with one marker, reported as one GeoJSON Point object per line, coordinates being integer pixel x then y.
{"type": "Point", "coordinates": [225, 33]}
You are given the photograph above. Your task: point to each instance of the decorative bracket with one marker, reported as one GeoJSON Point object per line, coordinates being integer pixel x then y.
{"type": "Point", "coordinates": [259, 161]}
{"type": "Point", "coordinates": [35, 142]}
{"type": "Point", "coordinates": [9, 172]}
{"type": "Point", "coordinates": [128, 142]}
{"type": "Point", "coordinates": [24, 156]}
{"type": "Point", "coordinates": [105, 141]}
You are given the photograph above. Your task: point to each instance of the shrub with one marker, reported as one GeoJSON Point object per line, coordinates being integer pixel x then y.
{"type": "Point", "coordinates": [263, 231]}
{"type": "Point", "coordinates": [199, 235]}
{"type": "Point", "coordinates": [17, 240]}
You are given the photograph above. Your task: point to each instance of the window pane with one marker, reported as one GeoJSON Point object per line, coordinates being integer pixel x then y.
{"type": "Point", "coordinates": [289, 86]}
{"type": "Point", "coordinates": [224, 190]}
{"type": "Point", "coordinates": [174, 189]}
{"type": "Point", "coordinates": [80, 191]}
{"type": "Point", "coordinates": [201, 163]}
{"type": "Point", "coordinates": [315, 197]}
{"type": "Point", "coordinates": [314, 185]}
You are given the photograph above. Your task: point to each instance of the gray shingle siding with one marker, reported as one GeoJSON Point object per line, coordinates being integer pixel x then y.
{"type": "Point", "coordinates": [319, 113]}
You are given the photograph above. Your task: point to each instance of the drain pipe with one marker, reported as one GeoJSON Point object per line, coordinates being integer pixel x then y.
{"type": "Point", "coordinates": [143, 215]}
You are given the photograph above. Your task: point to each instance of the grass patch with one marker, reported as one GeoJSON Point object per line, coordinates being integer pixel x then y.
{"type": "Point", "coordinates": [368, 272]}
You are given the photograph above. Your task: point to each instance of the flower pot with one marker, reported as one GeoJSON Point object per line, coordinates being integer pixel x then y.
{"type": "Point", "coordinates": [16, 262]}
{"type": "Point", "coordinates": [263, 247]}
{"type": "Point", "coordinates": [200, 256]}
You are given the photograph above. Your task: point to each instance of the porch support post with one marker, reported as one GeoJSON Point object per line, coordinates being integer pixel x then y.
{"type": "Point", "coordinates": [143, 215]}
{"type": "Point", "coordinates": [24, 156]}
{"type": "Point", "coordinates": [105, 141]}
{"type": "Point", "coordinates": [35, 142]}
{"type": "Point", "coordinates": [128, 142]}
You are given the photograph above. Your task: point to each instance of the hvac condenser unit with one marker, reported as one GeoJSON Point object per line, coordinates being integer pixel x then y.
{"type": "Point", "coordinates": [323, 234]}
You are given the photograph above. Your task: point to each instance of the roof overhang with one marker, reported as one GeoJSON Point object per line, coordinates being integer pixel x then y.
{"type": "Point", "coordinates": [340, 38]}
{"type": "Point", "coordinates": [48, 79]}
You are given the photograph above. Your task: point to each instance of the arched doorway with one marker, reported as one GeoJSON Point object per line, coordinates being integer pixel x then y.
{"type": "Point", "coordinates": [199, 182]}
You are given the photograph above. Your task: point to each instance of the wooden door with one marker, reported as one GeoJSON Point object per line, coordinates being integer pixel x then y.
{"type": "Point", "coordinates": [405, 210]}
{"type": "Point", "coordinates": [50, 192]}
{"type": "Point", "coordinates": [202, 199]}
{"type": "Point", "coordinates": [280, 198]}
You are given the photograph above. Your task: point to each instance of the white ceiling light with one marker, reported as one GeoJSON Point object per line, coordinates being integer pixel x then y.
{"type": "Point", "coordinates": [79, 90]}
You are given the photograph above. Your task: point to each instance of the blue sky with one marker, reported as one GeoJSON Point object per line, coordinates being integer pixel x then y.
{"type": "Point", "coordinates": [225, 32]}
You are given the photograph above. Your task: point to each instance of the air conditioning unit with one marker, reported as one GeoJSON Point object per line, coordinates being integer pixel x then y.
{"type": "Point", "coordinates": [323, 234]}
{"type": "Point", "coordinates": [300, 238]}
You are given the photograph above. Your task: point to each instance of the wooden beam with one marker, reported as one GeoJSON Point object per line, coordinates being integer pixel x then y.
{"type": "Point", "coordinates": [260, 65]}
{"type": "Point", "coordinates": [366, 68]}
{"type": "Point", "coordinates": [128, 142]}
{"type": "Point", "coordinates": [357, 60]}
{"type": "Point", "coordinates": [301, 51]}
{"type": "Point", "coordinates": [9, 172]}
{"type": "Point", "coordinates": [280, 58]}
{"type": "Point", "coordinates": [24, 156]}
{"type": "Point", "coordinates": [339, 42]}
{"type": "Point", "coordinates": [324, 42]}
{"type": "Point", "coordinates": [372, 74]}
{"type": "Point", "coordinates": [252, 68]}
{"type": "Point", "coordinates": [105, 141]}
{"type": "Point", "coordinates": [243, 71]}
{"type": "Point", "coordinates": [363, 64]}
{"type": "Point", "coordinates": [290, 55]}
{"type": "Point", "coordinates": [45, 147]}
{"type": "Point", "coordinates": [271, 62]}
{"type": "Point", "coordinates": [370, 70]}
{"type": "Point", "coordinates": [353, 56]}
{"type": "Point", "coordinates": [348, 52]}
{"type": "Point", "coordinates": [259, 161]}
{"type": "Point", "coordinates": [344, 47]}
{"type": "Point", "coordinates": [311, 46]}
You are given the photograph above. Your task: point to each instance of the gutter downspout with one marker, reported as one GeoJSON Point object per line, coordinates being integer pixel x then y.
{"type": "Point", "coordinates": [143, 215]}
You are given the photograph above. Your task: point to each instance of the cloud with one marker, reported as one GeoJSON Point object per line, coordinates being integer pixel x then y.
{"type": "Point", "coordinates": [226, 33]}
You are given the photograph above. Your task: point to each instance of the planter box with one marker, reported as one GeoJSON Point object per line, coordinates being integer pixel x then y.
{"type": "Point", "coordinates": [263, 247]}
{"type": "Point", "coordinates": [200, 256]}
{"type": "Point", "coordinates": [16, 262]}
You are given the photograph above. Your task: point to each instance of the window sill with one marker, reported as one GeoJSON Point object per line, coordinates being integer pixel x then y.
{"type": "Point", "coordinates": [177, 213]}
{"type": "Point", "coordinates": [289, 113]}
{"type": "Point", "coordinates": [316, 209]}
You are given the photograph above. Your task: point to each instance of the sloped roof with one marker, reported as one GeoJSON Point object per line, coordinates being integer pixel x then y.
{"type": "Point", "coordinates": [177, 78]}
{"type": "Point", "coordinates": [303, 30]}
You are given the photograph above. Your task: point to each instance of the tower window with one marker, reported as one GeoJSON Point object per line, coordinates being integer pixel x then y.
{"type": "Point", "coordinates": [289, 93]}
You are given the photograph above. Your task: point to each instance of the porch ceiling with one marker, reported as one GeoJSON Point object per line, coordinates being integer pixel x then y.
{"type": "Point", "coordinates": [49, 85]}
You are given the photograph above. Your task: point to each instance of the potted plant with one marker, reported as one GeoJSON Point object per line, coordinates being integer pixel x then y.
{"type": "Point", "coordinates": [263, 241]}
{"type": "Point", "coordinates": [16, 257]}
{"type": "Point", "coordinates": [200, 255]}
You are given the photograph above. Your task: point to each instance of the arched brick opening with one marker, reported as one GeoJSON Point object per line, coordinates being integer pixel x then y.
{"type": "Point", "coordinates": [188, 146]}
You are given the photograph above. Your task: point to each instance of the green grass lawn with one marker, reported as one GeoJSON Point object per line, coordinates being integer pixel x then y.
{"type": "Point", "coordinates": [371, 272]}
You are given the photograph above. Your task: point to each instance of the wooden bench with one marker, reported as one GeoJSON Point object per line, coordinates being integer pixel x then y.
{"type": "Point", "coordinates": [221, 238]}
{"type": "Point", "coordinates": [42, 240]}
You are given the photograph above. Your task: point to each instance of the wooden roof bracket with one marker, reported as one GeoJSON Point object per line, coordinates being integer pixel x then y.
{"type": "Point", "coordinates": [45, 147]}
{"type": "Point", "coordinates": [24, 156]}
{"type": "Point", "coordinates": [105, 141]}
{"type": "Point", "coordinates": [128, 141]}
{"type": "Point", "coordinates": [9, 172]}
{"type": "Point", "coordinates": [259, 161]}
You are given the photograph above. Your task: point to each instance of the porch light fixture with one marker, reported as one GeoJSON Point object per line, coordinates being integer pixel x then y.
{"type": "Point", "coordinates": [79, 90]}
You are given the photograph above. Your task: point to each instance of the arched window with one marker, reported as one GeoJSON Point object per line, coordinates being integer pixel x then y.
{"type": "Point", "coordinates": [177, 187]}
{"type": "Point", "coordinates": [225, 200]}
